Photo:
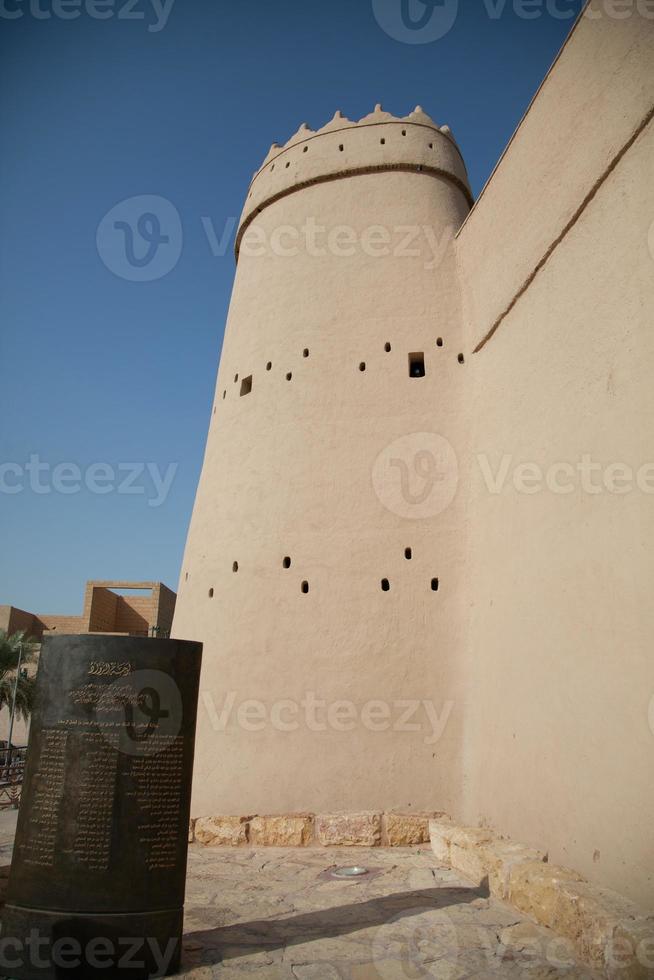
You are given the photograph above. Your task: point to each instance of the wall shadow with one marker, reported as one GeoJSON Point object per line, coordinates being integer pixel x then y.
{"type": "Point", "coordinates": [266, 935]}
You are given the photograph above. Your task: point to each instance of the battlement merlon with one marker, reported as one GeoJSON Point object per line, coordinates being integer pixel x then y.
{"type": "Point", "coordinates": [343, 148]}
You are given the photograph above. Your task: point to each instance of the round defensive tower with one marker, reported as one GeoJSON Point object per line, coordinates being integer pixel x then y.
{"type": "Point", "coordinates": [325, 550]}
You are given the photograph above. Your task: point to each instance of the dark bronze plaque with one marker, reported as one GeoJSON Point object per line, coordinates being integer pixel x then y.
{"type": "Point", "coordinates": [98, 874]}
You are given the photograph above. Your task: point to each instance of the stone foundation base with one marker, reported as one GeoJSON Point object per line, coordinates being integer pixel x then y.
{"type": "Point", "coordinates": [366, 829]}
{"type": "Point", "coordinates": [607, 931]}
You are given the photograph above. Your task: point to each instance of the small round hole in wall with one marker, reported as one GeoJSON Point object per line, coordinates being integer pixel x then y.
{"type": "Point", "coordinates": [382, 141]}
{"type": "Point", "coordinates": [385, 585]}
{"type": "Point", "coordinates": [268, 365]}
{"type": "Point", "coordinates": [289, 375]}
{"type": "Point", "coordinates": [439, 342]}
{"type": "Point", "coordinates": [286, 563]}
{"type": "Point", "coordinates": [434, 585]}
{"type": "Point", "coordinates": [235, 566]}
{"type": "Point", "coordinates": [224, 394]}
{"type": "Point", "coordinates": [288, 164]}
{"type": "Point", "coordinates": [305, 588]}
{"type": "Point", "coordinates": [387, 348]}
{"type": "Point", "coordinates": [235, 378]}
{"type": "Point", "coordinates": [186, 577]}
{"type": "Point", "coordinates": [305, 352]}
{"type": "Point", "coordinates": [408, 554]}
{"type": "Point", "coordinates": [404, 132]}
{"type": "Point", "coordinates": [305, 149]}
{"type": "Point", "coordinates": [461, 359]}
{"type": "Point", "coordinates": [341, 147]}
{"type": "Point", "coordinates": [362, 366]}
{"type": "Point", "coordinates": [211, 593]}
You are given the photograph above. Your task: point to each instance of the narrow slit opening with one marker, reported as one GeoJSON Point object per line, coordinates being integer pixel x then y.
{"type": "Point", "coordinates": [305, 588]}
{"type": "Point", "coordinates": [385, 585]}
{"type": "Point", "coordinates": [235, 566]}
{"type": "Point", "coordinates": [434, 585]}
{"type": "Point", "coordinates": [286, 562]}
{"type": "Point", "coordinates": [289, 375]}
{"type": "Point", "coordinates": [362, 366]}
{"type": "Point", "coordinates": [408, 554]}
{"type": "Point", "coordinates": [387, 347]}
{"type": "Point", "coordinates": [211, 593]}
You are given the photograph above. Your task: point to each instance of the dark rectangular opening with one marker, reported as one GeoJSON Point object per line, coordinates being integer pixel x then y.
{"type": "Point", "coordinates": [417, 365]}
{"type": "Point", "coordinates": [246, 385]}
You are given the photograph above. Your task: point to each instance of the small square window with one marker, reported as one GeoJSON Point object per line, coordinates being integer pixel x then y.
{"type": "Point", "coordinates": [417, 365]}
{"type": "Point", "coordinates": [246, 385]}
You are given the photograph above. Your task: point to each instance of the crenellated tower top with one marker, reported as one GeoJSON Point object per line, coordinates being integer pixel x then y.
{"type": "Point", "coordinates": [343, 148]}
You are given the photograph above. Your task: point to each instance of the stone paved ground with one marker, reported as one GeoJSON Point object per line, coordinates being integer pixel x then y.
{"type": "Point", "coordinates": [273, 912]}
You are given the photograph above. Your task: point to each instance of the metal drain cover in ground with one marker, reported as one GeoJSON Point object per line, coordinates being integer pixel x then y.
{"type": "Point", "coordinates": [350, 872]}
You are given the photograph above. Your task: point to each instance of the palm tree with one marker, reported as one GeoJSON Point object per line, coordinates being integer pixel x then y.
{"type": "Point", "coordinates": [10, 656]}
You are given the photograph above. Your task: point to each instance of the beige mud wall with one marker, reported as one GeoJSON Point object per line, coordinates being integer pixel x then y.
{"type": "Point", "coordinates": [288, 472]}
{"type": "Point", "coordinates": [560, 749]}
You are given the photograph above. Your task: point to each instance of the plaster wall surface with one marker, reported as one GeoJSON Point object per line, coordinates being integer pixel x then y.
{"type": "Point", "coordinates": [288, 473]}
{"type": "Point", "coordinates": [536, 648]}
{"type": "Point", "coordinates": [596, 97]}
{"type": "Point", "coordinates": [561, 736]}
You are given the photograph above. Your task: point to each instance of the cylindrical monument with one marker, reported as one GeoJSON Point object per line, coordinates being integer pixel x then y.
{"type": "Point", "coordinates": [98, 874]}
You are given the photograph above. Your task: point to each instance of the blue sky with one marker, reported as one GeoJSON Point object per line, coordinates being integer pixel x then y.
{"type": "Point", "coordinates": [180, 102]}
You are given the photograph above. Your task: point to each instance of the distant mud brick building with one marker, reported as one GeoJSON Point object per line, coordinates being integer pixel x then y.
{"type": "Point", "coordinates": [129, 608]}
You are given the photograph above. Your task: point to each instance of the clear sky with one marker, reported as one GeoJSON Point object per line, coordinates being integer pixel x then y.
{"type": "Point", "coordinates": [179, 99]}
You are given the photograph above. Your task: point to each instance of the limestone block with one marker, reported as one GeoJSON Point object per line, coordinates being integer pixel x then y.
{"type": "Point", "coordinates": [607, 930]}
{"type": "Point", "coordinates": [222, 831]}
{"type": "Point", "coordinates": [497, 859]}
{"type": "Point", "coordinates": [440, 831]}
{"type": "Point", "coordinates": [289, 830]}
{"type": "Point", "coordinates": [348, 829]}
{"type": "Point", "coordinates": [479, 854]}
{"type": "Point", "coordinates": [405, 829]}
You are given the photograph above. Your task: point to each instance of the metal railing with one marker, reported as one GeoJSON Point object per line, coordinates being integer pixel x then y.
{"type": "Point", "coordinates": [12, 770]}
